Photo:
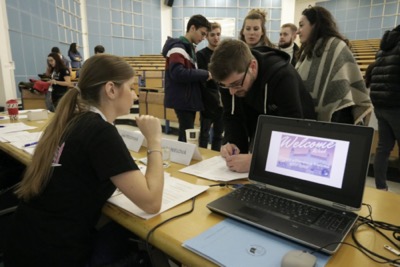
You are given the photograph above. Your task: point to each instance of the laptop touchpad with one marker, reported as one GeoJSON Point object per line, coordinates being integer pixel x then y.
{"type": "Point", "coordinates": [248, 213]}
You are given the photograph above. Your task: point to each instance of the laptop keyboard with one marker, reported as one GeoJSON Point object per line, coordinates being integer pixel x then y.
{"type": "Point", "coordinates": [296, 211]}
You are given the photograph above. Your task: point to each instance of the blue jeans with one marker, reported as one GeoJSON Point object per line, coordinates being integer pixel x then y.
{"type": "Point", "coordinates": [186, 121]}
{"type": "Point", "coordinates": [389, 132]}
{"type": "Point", "coordinates": [218, 128]}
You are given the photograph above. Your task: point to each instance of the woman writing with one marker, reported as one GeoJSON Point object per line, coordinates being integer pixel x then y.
{"type": "Point", "coordinates": [60, 79]}
{"type": "Point", "coordinates": [79, 162]}
{"type": "Point", "coordinates": [329, 70]}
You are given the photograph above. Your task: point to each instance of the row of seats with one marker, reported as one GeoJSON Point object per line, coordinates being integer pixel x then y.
{"type": "Point", "coordinates": [364, 52]}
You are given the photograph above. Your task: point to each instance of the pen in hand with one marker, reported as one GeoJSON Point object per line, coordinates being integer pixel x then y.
{"type": "Point", "coordinates": [234, 151]}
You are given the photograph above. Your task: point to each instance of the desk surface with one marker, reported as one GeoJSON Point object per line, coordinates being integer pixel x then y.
{"type": "Point", "coordinates": [170, 236]}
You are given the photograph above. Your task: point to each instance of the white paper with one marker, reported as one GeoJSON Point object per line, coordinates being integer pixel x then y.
{"type": "Point", "coordinates": [22, 136]}
{"type": "Point", "coordinates": [14, 127]}
{"type": "Point", "coordinates": [132, 139]}
{"type": "Point", "coordinates": [27, 140]}
{"type": "Point", "coordinates": [175, 192]}
{"type": "Point", "coordinates": [214, 169]}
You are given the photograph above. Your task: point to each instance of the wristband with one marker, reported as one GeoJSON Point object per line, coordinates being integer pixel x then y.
{"type": "Point", "coordinates": [149, 151]}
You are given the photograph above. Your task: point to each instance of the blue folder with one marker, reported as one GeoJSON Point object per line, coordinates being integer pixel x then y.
{"type": "Point", "coordinates": [231, 243]}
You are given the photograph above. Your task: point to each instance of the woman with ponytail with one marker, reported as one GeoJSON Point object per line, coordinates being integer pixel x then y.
{"type": "Point", "coordinates": [77, 165]}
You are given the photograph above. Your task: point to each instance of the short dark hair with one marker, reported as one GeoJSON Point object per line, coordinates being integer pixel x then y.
{"type": "Point", "coordinates": [55, 50]}
{"type": "Point", "coordinates": [198, 21]}
{"type": "Point", "coordinates": [230, 56]}
{"type": "Point", "coordinates": [99, 49]}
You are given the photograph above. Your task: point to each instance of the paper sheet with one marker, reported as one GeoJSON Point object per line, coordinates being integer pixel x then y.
{"type": "Point", "coordinates": [14, 127]}
{"type": "Point", "coordinates": [175, 192]}
{"type": "Point", "coordinates": [214, 169]}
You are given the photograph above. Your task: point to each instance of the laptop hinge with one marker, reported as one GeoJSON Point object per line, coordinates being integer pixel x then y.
{"type": "Point", "coordinates": [339, 206]}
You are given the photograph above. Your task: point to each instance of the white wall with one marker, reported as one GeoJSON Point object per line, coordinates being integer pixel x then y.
{"type": "Point", "coordinates": [166, 23]}
{"type": "Point", "coordinates": [7, 79]}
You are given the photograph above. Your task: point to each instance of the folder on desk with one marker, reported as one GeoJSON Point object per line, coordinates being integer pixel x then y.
{"type": "Point", "coordinates": [232, 243]}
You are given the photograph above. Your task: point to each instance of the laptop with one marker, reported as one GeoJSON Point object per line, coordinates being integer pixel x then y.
{"type": "Point", "coordinates": [306, 180]}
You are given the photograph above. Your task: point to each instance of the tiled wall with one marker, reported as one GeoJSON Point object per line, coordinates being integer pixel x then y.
{"type": "Point", "coordinates": [364, 19]}
{"type": "Point", "coordinates": [33, 27]}
{"type": "Point", "coordinates": [33, 32]}
{"type": "Point", "coordinates": [237, 9]}
{"type": "Point", "coordinates": [146, 36]}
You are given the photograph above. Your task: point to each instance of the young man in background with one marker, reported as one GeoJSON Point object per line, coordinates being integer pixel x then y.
{"type": "Point", "coordinates": [212, 113]}
{"type": "Point", "coordinates": [182, 77]}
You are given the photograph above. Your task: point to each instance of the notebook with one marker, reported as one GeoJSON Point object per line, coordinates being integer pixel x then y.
{"type": "Point", "coordinates": [319, 165]}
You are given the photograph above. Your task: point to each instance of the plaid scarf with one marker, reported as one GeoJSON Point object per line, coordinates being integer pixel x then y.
{"type": "Point", "coordinates": [335, 82]}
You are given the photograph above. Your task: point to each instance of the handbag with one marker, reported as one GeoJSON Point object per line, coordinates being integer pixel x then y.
{"type": "Point", "coordinates": [40, 86]}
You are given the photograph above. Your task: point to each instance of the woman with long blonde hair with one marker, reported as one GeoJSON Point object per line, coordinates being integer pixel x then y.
{"type": "Point", "coordinates": [77, 165]}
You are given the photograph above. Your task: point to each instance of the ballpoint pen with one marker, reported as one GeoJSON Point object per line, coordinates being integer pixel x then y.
{"type": "Point", "coordinates": [30, 144]}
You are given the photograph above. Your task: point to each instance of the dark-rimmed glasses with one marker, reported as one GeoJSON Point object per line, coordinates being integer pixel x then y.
{"type": "Point", "coordinates": [236, 86]}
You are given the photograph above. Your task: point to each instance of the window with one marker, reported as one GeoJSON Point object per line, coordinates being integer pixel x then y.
{"type": "Point", "coordinates": [69, 21]}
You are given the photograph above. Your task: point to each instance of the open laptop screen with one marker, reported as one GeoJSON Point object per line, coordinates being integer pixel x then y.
{"type": "Point", "coordinates": [326, 161]}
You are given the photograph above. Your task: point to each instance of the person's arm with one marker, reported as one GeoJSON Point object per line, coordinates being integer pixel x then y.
{"type": "Point", "coordinates": [146, 190]}
{"type": "Point", "coordinates": [181, 73]}
{"type": "Point", "coordinates": [235, 131]}
{"type": "Point", "coordinates": [67, 80]}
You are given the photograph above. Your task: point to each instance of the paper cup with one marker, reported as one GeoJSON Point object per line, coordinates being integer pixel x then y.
{"type": "Point", "coordinates": [12, 109]}
{"type": "Point", "coordinates": [192, 136]}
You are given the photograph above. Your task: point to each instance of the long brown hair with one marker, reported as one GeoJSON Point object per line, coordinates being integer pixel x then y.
{"type": "Point", "coordinates": [260, 15]}
{"type": "Point", "coordinates": [97, 71]}
{"type": "Point", "coordinates": [324, 28]}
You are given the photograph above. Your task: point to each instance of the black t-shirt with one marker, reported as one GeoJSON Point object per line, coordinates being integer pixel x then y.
{"type": "Point", "coordinates": [56, 228]}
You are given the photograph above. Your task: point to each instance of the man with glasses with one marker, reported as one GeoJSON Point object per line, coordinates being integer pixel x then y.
{"type": "Point", "coordinates": [212, 113]}
{"type": "Point", "coordinates": [254, 82]}
{"type": "Point", "coordinates": [182, 77]}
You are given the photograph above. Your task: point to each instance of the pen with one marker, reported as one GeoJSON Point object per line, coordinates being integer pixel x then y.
{"type": "Point", "coordinates": [2, 126]}
{"type": "Point", "coordinates": [234, 151]}
{"type": "Point", "coordinates": [30, 144]}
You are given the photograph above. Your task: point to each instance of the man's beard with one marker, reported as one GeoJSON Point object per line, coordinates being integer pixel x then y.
{"type": "Point", "coordinates": [285, 45]}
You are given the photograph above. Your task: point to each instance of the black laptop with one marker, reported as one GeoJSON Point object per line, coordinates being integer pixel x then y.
{"type": "Point", "coordinates": [307, 179]}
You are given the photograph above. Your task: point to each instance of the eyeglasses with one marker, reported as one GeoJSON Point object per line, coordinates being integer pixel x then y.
{"type": "Point", "coordinates": [236, 86]}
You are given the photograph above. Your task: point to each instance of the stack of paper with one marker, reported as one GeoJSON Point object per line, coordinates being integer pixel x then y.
{"type": "Point", "coordinates": [175, 192]}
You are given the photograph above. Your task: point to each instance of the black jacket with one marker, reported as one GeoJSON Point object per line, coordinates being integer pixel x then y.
{"type": "Point", "coordinates": [385, 76]}
{"type": "Point", "coordinates": [278, 90]}
{"type": "Point", "coordinates": [209, 90]}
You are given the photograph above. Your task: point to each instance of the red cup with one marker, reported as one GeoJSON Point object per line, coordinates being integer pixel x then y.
{"type": "Point", "coordinates": [12, 109]}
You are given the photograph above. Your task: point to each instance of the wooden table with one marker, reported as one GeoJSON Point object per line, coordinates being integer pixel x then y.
{"type": "Point", "coordinates": [170, 236]}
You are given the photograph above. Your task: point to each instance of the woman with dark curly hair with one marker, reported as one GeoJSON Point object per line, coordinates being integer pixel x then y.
{"type": "Point", "coordinates": [329, 70]}
{"type": "Point", "coordinates": [60, 79]}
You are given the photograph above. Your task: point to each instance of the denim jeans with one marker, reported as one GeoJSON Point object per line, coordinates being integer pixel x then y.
{"type": "Point", "coordinates": [389, 132]}
{"type": "Point", "coordinates": [205, 126]}
{"type": "Point", "coordinates": [49, 102]}
{"type": "Point", "coordinates": [186, 121]}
